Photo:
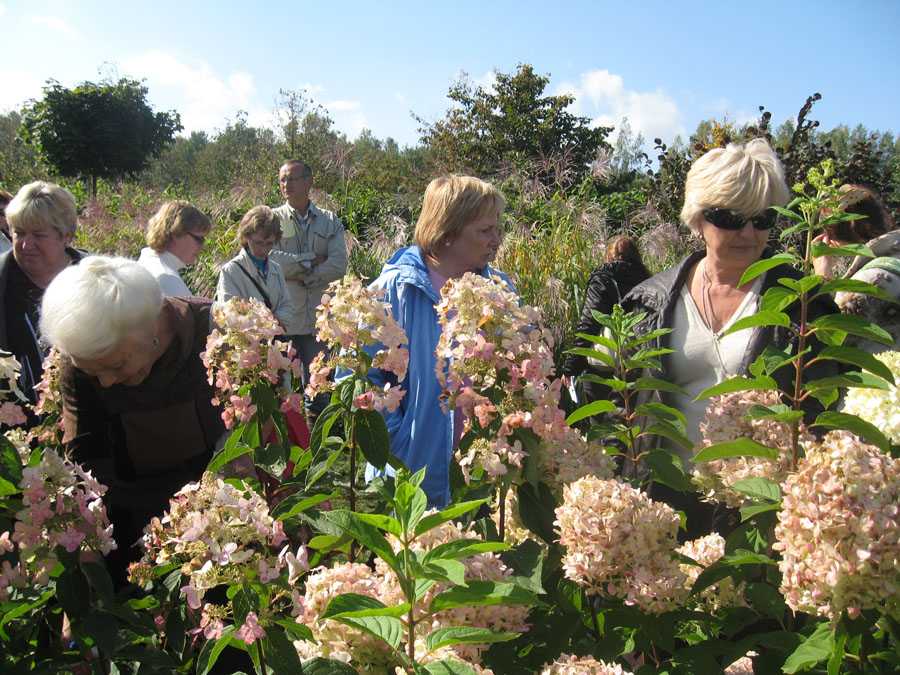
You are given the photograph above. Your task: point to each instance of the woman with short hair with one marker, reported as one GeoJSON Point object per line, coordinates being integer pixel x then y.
{"type": "Point", "coordinates": [42, 219]}
{"type": "Point", "coordinates": [137, 405]}
{"type": "Point", "coordinates": [728, 195]}
{"type": "Point", "coordinates": [252, 273]}
{"type": "Point", "coordinates": [458, 231]}
{"type": "Point", "coordinates": [175, 236]}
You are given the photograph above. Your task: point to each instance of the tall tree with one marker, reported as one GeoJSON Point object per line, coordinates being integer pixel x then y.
{"type": "Point", "coordinates": [105, 130]}
{"type": "Point", "coordinates": [511, 122]}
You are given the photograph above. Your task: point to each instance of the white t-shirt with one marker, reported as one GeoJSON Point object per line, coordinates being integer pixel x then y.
{"type": "Point", "coordinates": [164, 268]}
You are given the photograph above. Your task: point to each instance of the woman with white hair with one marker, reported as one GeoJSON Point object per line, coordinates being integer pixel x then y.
{"type": "Point", "coordinates": [728, 195]}
{"type": "Point", "coordinates": [137, 404]}
{"type": "Point", "coordinates": [175, 236]}
{"type": "Point", "coordinates": [42, 220]}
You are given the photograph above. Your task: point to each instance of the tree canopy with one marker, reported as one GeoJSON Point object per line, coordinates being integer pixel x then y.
{"type": "Point", "coordinates": [511, 123]}
{"type": "Point", "coordinates": [105, 130]}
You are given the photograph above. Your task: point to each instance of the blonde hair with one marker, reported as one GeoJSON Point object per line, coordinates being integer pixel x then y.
{"type": "Point", "coordinates": [173, 218]}
{"type": "Point", "coordinates": [40, 203]}
{"type": "Point", "coordinates": [260, 219]}
{"type": "Point", "coordinates": [88, 308]}
{"type": "Point", "coordinates": [451, 203]}
{"type": "Point", "coordinates": [747, 179]}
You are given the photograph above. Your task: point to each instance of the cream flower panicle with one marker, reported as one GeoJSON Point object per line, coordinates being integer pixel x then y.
{"type": "Point", "coordinates": [838, 530]}
{"type": "Point", "coordinates": [877, 406]}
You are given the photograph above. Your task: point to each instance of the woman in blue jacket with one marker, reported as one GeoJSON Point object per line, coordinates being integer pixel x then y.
{"type": "Point", "coordinates": [458, 231]}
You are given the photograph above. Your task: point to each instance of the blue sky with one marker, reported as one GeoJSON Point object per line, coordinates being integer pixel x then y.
{"type": "Point", "coordinates": [665, 65]}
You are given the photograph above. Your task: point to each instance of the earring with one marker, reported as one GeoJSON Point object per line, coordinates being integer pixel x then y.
{"type": "Point", "coordinates": [155, 341]}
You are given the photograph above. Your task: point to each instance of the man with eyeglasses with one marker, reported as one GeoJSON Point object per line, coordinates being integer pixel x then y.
{"type": "Point", "coordinates": [312, 254]}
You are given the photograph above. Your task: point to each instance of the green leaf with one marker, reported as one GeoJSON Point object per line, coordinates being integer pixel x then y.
{"type": "Point", "coordinates": [385, 628]}
{"type": "Point", "coordinates": [451, 571]}
{"type": "Point", "coordinates": [778, 412]}
{"type": "Point", "coordinates": [228, 454]}
{"type": "Point", "coordinates": [73, 592]}
{"type": "Point", "coordinates": [812, 651]}
{"type": "Point", "coordinates": [245, 600]}
{"type": "Point", "coordinates": [766, 599]}
{"type": "Point", "coordinates": [368, 535]}
{"type": "Point", "coordinates": [101, 582]}
{"type": "Point", "coordinates": [865, 430]}
{"type": "Point", "coordinates": [758, 488]}
{"type": "Point", "coordinates": [739, 383]}
{"type": "Point", "coordinates": [655, 384]}
{"type": "Point", "coordinates": [356, 604]}
{"type": "Point", "coordinates": [820, 249]}
{"type": "Point", "coordinates": [322, 427]}
{"type": "Point", "coordinates": [536, 509]}
{"type": "Point", "coordinates": [594, 408]}
{"type": "Point", "coordinates": [527, 561]}
{"type": "Point", "coordinates": [761, 318]}
{"type": "Point", "coordinates": [742, 447]}
{"type": "Point", "coordinates": [323, 666]}
{"type": "Point", "coordinates": [856, 286]}
{"type": "Point", "coordinates": [211, 650]}
{"type": "Point", "coordinates": [101, 627]}
{"type": "Point", "coordinates": [859, 358]}
{"type": "Point", "coordinates": [446, 667]}
{"type": "Point", "coordinates": [298, 502]}
{"type": "Point", "coordinates": [663, 413]}
{"type": "Point", "coordinates": [667, 468]}
{"type": "Point", "coordinates": [478, 593]}
{"type": "Point", "coordinates": [668, 431]}
{"type": "Point", "coordinates": [280, 653]}
{"type": "Point", "coordinates": [10, 468]}
{"type": "Point", "coordinates": [849, 379]}
{"type": "Point", "coordinates": [765, 265]}
{"type": "Point", "coordinates": [776, 299]}
{"type": "Point", "coordinates": [371, 436]}
{"type": "Point", "coordinates": [855, 325]}
{"type": "Point", "coordinates": [446, 515]}
{"type": "Point", "coordinates": [462, 548]}
{"type": "Point", "coordinates": [455, 635]}
{"type": "Point", "coordinates": [747, 512]}
{"type": "Point", "coordinates": [382, 522]}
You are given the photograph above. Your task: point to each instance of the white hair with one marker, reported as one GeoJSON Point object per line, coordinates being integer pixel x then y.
{"type": "Point", "coordinates": [88, 308]}
{"type": "Point", "coordinates": [40, 203]}
{"type": "Point", "coordinates": [747, 179]}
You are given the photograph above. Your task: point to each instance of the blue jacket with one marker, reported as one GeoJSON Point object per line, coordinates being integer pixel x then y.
{"type": "Point", "coordinates": [421, 432]}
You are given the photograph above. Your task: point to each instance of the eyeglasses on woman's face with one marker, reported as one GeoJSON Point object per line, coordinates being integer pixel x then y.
{"type": "Point", "coordinates": [726, 219]}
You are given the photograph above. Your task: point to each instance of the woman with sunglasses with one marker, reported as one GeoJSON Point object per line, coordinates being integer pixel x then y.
{"type": "Point", "coordinates": [728, 195]}
{"type": "Point", "coordinates": [175, 236]}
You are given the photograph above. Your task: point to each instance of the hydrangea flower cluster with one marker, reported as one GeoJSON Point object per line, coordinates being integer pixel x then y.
{"type": "Point", "coordinates": [352, 320]}
{"type": "Point", "coordinates": [219, 534]}
{"type": "Point", "coordinates": [573, 457]}
{"type": "Point", "coordinates": [839, 530]}
{"type": "Point", "coordinates": [49, 405]}
{"type": "Point", "coordinates": [244, 352]}
{"type": "Point", "coordinates": [495, 362]}
{"type": "Point", "coordinates": [705, 551]}
{"type": "Point", "coordinates": [621, 543]}
{"type": "Point", "coordinates": [743, 666]}
{"type": "Point", "coordinates": [727, 419]}
{"type": "Point", "coordinates": [880, 407]}
{"type": "Point", "coordinates": [11, 413]}
{"type": "Point", "coordinates": [62, 506]}
{"type": "Point", "coordinates": [569, 664]}
{"type": "Point", "coordinates": [341, 642]}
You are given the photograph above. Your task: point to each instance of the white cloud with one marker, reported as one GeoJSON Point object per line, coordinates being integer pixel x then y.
{"type": "Point", "coordinates": [487, 81]}
{"type": "Point", "coordinates": [54, 23]}
{"type": "Point", "coordinates": [19, 87]}
{"type": "Point", "coordinates": [312, 89]}
{"type": "Point", "coordinates": [209, 100]}
{"type": "Point", "coordinates": [400, 97]}
{"type": "Point", "coordinates": [604, 98]}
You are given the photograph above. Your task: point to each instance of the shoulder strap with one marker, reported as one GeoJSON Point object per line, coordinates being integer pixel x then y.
{"type": "Point", "coordinates": [258, 287]}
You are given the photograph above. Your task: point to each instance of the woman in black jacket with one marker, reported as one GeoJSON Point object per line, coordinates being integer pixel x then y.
{"type": "Point", "coordinates": [624, 269]}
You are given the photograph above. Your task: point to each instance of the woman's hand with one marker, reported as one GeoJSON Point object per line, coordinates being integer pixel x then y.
{"type": "Point", "coordinates": [824, 264]}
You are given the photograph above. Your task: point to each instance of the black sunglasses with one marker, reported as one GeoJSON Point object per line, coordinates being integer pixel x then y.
{"type": "Point", "coordinates": [726, 219]}
{"type": "Point", "coordinates": [200, 240]}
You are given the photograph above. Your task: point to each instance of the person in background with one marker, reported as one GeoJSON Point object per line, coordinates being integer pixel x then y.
{"type": "Point", "coordinates": [458, 231]}
{"type": "Point", "coordinates": [5, 239]}
{"type": "Point", "coordinates": [137, 405]}
{"type": "Point", "coordinates": [252, 273]}
{"type": "Point", "coordinates": [728, 193]}
{"type": "Point", "coordinates": [175, 236]}
{"type": "Point", "coordinates": [42, 218]}
{"type": "Point", "coordinates": [877, 231]}
{"type": "Point", "coordinates": [609, 283]}
{"type": "Point", "coordinates": [312, 252]}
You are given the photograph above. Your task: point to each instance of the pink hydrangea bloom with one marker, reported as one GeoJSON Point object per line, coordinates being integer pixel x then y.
{"type": "Point", "coordinates": [621, 543]}
{"type": "Point", "coordinates": [838, 530]}
{"type": "Point", "coordinates": [250, 631]}
{"type": "Point", "coordinates": [569, 664]}
{"type": "Point", "coordinates": [705, 551]}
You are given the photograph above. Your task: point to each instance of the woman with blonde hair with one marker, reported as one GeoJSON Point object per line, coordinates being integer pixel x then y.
{"type": "Point", "coordinates": [728, 195]}
{"type": "Point", "coordinates": [42, 219]}
{"type": "Point", "coordinates": [458, 231]}
{"type": "Point", "coordinates": [175, 236]}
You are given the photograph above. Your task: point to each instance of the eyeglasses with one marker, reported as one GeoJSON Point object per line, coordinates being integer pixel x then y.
{"type": "Point", "coordinates": [726, 219]}
{"type": "Point", "coordinates": [200, 240]}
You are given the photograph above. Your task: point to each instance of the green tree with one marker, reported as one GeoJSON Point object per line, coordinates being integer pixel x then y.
{"type": "Point", "coordinates": [19, 162]}
{"type": "Point", "coordinates": [96, 131]}
{"type": "Point", "coordinates": [512, 123]}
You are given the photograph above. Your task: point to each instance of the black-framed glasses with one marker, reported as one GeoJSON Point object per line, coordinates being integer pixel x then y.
{"type": "Point", "coordinates": [726, 219]}
{"type": "Point", "coordinates": [200, 240]}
